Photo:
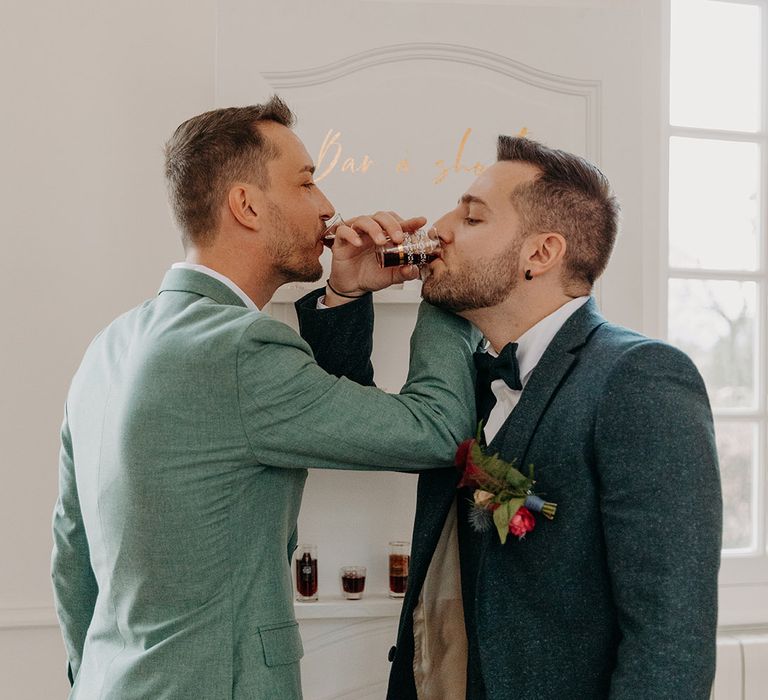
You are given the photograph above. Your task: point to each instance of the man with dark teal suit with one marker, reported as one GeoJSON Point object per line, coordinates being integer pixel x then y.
{"type": "Point", "coordinates": [192, 420]}
{"type": "Point", "coordinates": [616, 597]}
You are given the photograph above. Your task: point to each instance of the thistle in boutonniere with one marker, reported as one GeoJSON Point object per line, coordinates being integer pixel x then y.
{"type": "Point", "coordinates": [502, 495]}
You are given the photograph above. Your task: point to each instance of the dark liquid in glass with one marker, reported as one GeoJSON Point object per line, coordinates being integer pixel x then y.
{"type": "Point", "coordinates": [397, 259]}
{"type": "Point", "coordinates": [398, 584]}
{"type": "Point", "coordinates": [353, 584]}
{"type": "Point", "coordinates": [398, 572]}
{"type": "Point", "coordinates": [306, 576]}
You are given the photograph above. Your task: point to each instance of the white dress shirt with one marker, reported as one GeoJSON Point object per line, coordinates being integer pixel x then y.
{"type": "Point", "coordinates": [530, 349]}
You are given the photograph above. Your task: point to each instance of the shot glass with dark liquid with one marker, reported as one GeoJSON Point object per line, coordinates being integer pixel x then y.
{"type": "Point", "coordinates": [418, 248]}
{"type": "Point", "coordinates": [329, 235]}
{"type": "Point", "coordinates": [352, 582]}
{"type": "Point", "coordinates": [306, 572]}
{"type": "Point", "coordinates": [399, 562]}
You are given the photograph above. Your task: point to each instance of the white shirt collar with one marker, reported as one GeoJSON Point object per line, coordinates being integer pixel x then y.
{"type": "Point", "coordinates": [532, 344]}
{"type": "Point", "coordinates": [217, 276]}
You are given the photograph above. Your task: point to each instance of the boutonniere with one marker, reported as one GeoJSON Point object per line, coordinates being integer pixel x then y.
{"type": "Point", "coordinates": [502, 495]}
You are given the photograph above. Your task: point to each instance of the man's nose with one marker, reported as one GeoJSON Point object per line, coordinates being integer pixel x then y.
{"type": "Point", "coordinates": [444, 229]}
{"type": "Point", "coordinates": [327, 210]}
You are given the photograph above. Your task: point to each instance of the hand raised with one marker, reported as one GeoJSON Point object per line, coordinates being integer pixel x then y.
{"type": "Point", "coordinates": [354, 269]}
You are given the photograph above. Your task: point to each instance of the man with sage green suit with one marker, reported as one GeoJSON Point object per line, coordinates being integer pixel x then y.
{"type": "Point", "coordinates": [192, 420]}
{"type": "Point", "coordinates": [615, 598]}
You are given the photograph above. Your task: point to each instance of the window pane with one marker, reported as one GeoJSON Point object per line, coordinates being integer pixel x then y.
{"type": "Point", "coordinates": [715, 65]}
{"type": "Point", "coordinates": [713, 204]}
{"type": "Point", "coordinates": [714, 322]}
{"type": "Point", "coordinates": [737, 450]}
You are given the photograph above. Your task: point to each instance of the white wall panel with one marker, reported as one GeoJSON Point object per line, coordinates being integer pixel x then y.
{"type": "Point", "coordinates": [346, 659]}
{"type": "Point", "coordinates": [729, 679]}
{"type": "Point", "coordinates": [755, 653]}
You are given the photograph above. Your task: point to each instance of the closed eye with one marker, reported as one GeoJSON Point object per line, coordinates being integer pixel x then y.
{"type": "Point", "coordinates": [472, 222]}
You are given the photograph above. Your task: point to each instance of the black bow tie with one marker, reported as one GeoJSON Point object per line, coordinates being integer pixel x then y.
{"type": "Point", "coordinates": [490, 368]}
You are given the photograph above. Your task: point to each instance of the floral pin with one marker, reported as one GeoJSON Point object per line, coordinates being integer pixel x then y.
{"type": "Point", "coordinates": [503, 496]}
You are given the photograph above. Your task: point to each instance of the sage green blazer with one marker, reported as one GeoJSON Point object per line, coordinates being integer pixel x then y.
{"type": "Point", "coordinates": [189, 428]}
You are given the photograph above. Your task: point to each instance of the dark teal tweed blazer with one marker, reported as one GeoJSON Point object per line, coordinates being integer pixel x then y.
{"type": "Point", "coordinates": [616, 598]}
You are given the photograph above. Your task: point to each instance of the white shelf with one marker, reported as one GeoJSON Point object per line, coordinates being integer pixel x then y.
{"type": "Point", "coordinates": [335, 607]}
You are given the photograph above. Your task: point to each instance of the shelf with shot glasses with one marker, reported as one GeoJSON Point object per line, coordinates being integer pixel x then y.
{"type": "Point", "coordinates": [418, 248]}
{"type": "Point", "coordinates": [351, 599]}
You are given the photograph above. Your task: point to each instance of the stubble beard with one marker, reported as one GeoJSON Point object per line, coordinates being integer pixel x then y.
{"type": "Point", "coordinates": [286, 253]}
{"type": "Point", "coordinates": [483, 283]}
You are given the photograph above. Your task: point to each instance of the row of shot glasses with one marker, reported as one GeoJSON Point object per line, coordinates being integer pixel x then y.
{"type": "Point", "coordinates": [351, 578]}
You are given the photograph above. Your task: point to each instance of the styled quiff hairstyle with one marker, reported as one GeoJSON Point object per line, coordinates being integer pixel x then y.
{"type": "Point", "coordinates": [570, 197]}
{"type": "Point", "coordinates": [210, 152]}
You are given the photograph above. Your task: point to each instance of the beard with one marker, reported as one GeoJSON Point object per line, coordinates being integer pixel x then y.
{"type": "Point", "coordinates": [286, 250]}
{"type": "Point", "coordinates": [481, 283]}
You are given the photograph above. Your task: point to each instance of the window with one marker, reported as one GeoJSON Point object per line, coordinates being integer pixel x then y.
{"type": "Point", "coordinates": [716, 257]}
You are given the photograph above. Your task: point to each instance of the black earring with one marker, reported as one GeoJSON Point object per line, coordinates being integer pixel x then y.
{"type": "Point", "coordinates": [528, 275]}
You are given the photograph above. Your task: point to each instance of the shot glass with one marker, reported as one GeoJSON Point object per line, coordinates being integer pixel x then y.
{"type": "Point", "coordinates": [418, 248]}
{"type": "Point", "coordinates": [329, 235]}
{"type": "Point", "coordinates": [352, 582]}
{"type": "Point", "coordinates": [306, 572]}
{"type": "Point", "coordinates": [399, 562]}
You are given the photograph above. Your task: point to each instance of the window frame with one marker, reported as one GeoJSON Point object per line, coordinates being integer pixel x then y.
{"type": "Point", "coordinates": [743, 573]}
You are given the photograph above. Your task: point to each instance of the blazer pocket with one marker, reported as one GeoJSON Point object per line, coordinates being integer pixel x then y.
{"type": "Point", "coordinates": [282, 643]}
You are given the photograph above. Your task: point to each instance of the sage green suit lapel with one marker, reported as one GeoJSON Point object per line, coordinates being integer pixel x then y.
{"type": "Point", "coordinates": [513, 438]}
{"type": "Point", "coordinates": [182, 280]}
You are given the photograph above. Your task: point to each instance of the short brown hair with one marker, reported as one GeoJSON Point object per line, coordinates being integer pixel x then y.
{"type": "Point", "coordinates": [570, 197]}
{"type": "Point", "coordinates": [209, 152]}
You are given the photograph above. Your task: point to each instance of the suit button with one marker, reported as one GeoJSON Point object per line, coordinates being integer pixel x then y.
{"type": "Point", "coordinates": [391, 655]}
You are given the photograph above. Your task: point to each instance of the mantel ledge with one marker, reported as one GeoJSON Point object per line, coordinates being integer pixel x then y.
{"type": "Point", "coordinates": [335, 607]}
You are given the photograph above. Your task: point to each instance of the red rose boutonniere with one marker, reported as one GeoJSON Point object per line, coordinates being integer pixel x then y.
{"type": "Point", "coordinates": [503, 496]}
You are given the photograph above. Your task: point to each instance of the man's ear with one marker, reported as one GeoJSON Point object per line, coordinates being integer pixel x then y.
{"type": "Point", "coordinates": [543, 252]}
{"type": "Point", "coordinates": [244, 205]}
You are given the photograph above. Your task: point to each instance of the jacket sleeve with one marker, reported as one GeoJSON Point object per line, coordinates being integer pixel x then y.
{"type": "Point", "coordinates": [74, 584]}
{"type": "Point", "coordinates": [661, 510]}
{"type": "Point", "coordinates": [341, 337]}
{"type": "Point", "coordinates": [297, 415]}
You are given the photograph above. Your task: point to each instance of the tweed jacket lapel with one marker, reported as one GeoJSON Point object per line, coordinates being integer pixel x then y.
{"type": "Point", "coordinates": [182, 280]}
{"type": "Point", "coordinates": [437, 487]}
{"type": "Point", "coordinates": [513, 438]}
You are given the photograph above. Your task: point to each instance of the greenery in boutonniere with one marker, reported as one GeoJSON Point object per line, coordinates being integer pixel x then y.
{"type": "Point", "coordinates": [502, 496]}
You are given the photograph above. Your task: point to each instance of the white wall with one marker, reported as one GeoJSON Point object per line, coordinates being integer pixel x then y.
{"type": "Point", "coordinates": [91, 91]}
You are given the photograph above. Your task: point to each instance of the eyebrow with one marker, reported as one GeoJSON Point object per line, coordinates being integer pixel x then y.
{"type": "Point", "coordinates": [308, 169]}
{"type": "Point", "coordinates": [471, 199]}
